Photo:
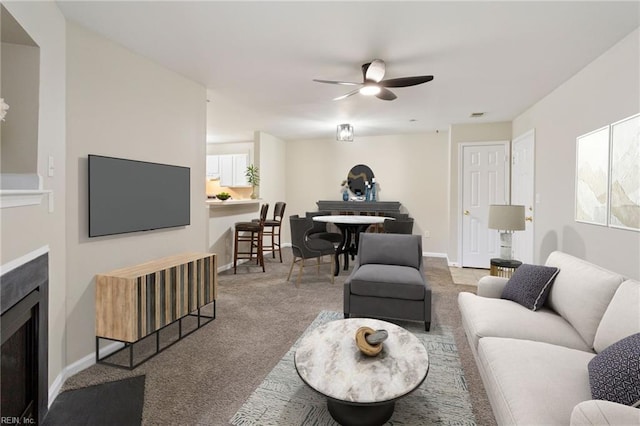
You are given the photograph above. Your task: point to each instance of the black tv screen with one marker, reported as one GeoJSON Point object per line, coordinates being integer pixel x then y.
{"type": "Point", "coordinates": [130, 195]}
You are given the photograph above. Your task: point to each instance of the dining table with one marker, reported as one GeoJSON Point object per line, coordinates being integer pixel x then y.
{"type": "Point", "coordinates": [350, 226]}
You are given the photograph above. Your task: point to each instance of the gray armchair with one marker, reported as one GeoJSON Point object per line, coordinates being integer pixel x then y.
{"type": "Point", "coordinates": [388, 279]}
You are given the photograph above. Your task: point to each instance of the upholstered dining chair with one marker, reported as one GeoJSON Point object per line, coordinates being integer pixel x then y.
{"type": "Point", "coordinates": [398, 226]}
{"type": "Point", "coordinates": [319, 229]}
{"type": "Point", "coordinates": [272, 228]}
{"type": "Point", "coordinates": [305, 248]}
{"type": "Point", "coordinates": [397, 215]}
{"type": "Point", "coordinates": [250, 232]}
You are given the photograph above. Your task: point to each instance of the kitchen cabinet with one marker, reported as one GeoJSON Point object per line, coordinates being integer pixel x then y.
{"type": "Point", "coordinates": [213, 167]}
{"type": "Point", "coordinates": [229, 168]}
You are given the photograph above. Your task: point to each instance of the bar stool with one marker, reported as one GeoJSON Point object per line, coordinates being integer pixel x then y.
{"type": "Point", "coordinates": [272, 228]}
{"type": "Point", "coordinates": [250, 232]}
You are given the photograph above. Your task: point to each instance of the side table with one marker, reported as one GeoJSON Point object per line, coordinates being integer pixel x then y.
{"type": "Point", "coordinates": [503, 267]}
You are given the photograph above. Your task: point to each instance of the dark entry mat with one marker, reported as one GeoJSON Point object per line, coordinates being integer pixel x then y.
{"type": "Point", "coordinates": [113, 403]}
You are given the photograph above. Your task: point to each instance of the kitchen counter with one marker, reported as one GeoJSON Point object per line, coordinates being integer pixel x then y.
{"type": "Point", "coordinates": [219, 203]}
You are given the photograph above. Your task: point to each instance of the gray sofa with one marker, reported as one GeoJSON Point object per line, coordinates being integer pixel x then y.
{"type": "Point", "coordinates": [534, 364]}
{"type": "Point", "coordinates": [388, 279]}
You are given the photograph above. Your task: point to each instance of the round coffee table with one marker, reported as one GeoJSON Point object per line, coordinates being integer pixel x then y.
{"type": "Point", "coordinates": [361, 390]}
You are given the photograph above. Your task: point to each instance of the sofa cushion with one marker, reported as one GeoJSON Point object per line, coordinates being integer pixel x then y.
{"type": "Point", "coordinates": [529, 285]}
{"type": "Point", "coordinates": [581, 292]}
{"type": "Point", "coordinates": [489, 317]}
{"type": "Point", "coordinates": [533, 383]}
{"type": "Point", "coordinates": [622, 317]}
{"type": "Point", "coordinates": [614, 374]}
{"type": "Point", "coordinates": [390, 249]}
{"type": "Point", "coordinates": [596, 412]}
{"type": "Point", "coordinates": [392, 281]}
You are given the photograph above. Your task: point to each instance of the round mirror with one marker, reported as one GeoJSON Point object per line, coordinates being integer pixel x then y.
{"type": "Point", "coordinates": [358, 175]}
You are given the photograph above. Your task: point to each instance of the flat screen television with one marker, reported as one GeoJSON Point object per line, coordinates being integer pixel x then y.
{"type": "Point", "coordinates": [130, 195]}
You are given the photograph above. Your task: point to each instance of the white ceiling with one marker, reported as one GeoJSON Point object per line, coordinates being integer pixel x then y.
{"type": "Point", "coordinates": [258, 59]}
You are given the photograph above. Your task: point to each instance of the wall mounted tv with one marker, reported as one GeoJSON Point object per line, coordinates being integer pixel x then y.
{"type": "Point", "coordinates": [130, 195]}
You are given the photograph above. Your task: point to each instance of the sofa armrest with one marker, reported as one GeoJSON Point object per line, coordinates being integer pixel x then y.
{"type": "Point", "coordinates": [491, 286]}
{"type": "Point", "coordinates": [597, 412]}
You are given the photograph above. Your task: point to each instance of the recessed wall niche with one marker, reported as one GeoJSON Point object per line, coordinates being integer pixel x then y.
{"type": "Point", "coordinates": [19, 87]}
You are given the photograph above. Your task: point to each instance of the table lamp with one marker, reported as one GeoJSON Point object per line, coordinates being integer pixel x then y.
{"type": "Point", "coordinates": [506, 219]}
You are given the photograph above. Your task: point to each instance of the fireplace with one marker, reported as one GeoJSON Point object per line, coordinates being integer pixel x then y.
{"type": "Point", "coordinates": [24, 322]}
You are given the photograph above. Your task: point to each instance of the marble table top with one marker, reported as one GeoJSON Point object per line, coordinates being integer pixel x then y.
{"type": "Point", "coordinates": [351, 219]}
{"type": "Point", "coordinates": [328, 360]}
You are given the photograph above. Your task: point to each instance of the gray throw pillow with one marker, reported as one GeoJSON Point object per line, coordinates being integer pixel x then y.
{"type": "Point", "coordinates": [529, 285]}
{"type": "Point", "coordinates": [614, 374]}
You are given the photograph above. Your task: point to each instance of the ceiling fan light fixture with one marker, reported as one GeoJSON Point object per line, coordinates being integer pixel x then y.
{"type": "Point", "coordinates": [370, 89]}
{"type": "Point", "coordinates": [344, 132]}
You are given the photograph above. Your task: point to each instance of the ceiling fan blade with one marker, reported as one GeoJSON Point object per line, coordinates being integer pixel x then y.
{"type": "Point", "coordinates": [344, 83]}
{"type": "Point", "coordinates": [406, 81]}
{"type": "Point", "coordinates": [374, 71]}
{"type": "Point", "coordinates": [386, 94]}
{"type": "Point", "coordinates": [353, 92]}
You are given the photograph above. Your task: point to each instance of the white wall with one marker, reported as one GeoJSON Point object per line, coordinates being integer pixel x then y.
{"type": "Point", "coordinates": [606, 91]}
{"type": "Point", "coordinates": [122, 105]}
{"type": "Point", "coordinates": [25, 229]}
{"type": "Point", "coordinates": [411, 169]}
{"type": "Point", "coordinates": [270, 159]}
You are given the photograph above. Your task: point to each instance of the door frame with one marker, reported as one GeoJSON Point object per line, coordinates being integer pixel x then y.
{"type": "Point", "coordinates": [507, 183]}
{"type": "Point", "coordinates": [529, 134]}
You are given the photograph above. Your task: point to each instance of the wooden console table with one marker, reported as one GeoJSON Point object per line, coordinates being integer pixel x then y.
{"type": "Point", "coordinates": [138, 301]}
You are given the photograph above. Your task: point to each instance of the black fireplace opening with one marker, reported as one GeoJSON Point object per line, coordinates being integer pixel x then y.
{"type": "Point", "coordinates": [24, 338]}
{"type": "Point", "coordinates": [19, 364]}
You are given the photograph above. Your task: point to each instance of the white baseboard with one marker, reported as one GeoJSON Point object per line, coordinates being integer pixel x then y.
{"type": "Point", "coordinates": [230, 264]}
{"type": "Point", "coordinates": [82, 364]}
{"type": "Point", "coordinates": [432, 254]}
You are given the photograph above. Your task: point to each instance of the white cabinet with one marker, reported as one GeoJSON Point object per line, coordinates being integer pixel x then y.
{"type": "Point", "coordinates": [213, 167]}
{"type": "Point", "coordinates": [240, 163]}
{"type": "Point", "coordinates": [226, 170]}
{"type": "Point", "coordinates": [229, 168]}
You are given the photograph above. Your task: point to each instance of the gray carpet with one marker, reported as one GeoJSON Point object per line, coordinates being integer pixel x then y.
{"type": "Point", "coordinates": [283, 399]}
{"type": "Point", "coordinates": [205, 378]}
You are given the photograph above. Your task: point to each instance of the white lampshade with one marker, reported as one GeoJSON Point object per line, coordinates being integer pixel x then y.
{"type": "Point", "coordinates": [344, 132]}
{"type": "Point", "coordinates": [506, 217]}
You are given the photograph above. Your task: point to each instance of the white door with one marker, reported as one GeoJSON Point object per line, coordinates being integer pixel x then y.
{"type": "Point", "coordinates": [485, 172]}
{"type": "Point", "coordinates": [522, 193]}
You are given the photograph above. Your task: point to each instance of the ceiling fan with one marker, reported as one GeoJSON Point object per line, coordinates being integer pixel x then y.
{"type": "Point", "coordinates": [373, 84]}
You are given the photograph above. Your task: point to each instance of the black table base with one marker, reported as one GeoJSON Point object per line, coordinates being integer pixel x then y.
{"type": "Point", "coordinates": [360, 415]}
{"type": "Point", "coordinates": [349, 244]}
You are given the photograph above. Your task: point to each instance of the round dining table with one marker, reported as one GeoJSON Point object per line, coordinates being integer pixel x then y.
{"type": "Point", "coordinates": [350, 226]}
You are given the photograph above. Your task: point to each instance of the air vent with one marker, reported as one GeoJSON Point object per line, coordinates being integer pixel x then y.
{"type": "Point", "coordinates": [476, 114]}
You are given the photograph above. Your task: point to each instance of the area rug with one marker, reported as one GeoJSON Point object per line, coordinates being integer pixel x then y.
{"type": "Point", "coordinates": [282, 399]}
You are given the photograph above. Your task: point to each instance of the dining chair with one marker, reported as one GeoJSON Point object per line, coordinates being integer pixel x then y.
{"type": "Point", "coordinates": [319, 229]}
{"type": "Point", "coordinates": [304, 248]}
{"type": "Point", "coordinates": [398, 226]}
